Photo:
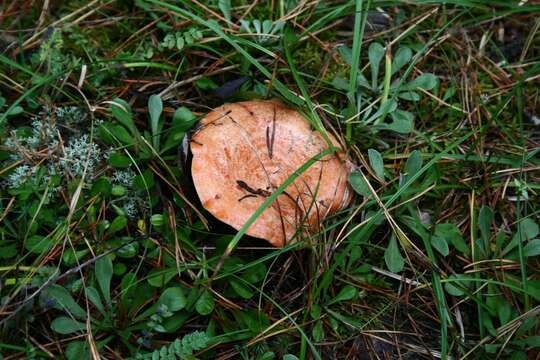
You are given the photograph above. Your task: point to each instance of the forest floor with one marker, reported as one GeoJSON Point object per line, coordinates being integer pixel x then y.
{"type": "Point", "coordinates": [106, 252]}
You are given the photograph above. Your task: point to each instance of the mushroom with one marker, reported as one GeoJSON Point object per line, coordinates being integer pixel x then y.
{"type": "Point", "coordinates": [244, 151]}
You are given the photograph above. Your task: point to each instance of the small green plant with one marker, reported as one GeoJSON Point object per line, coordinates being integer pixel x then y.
{"type": "Point", "coordinates": [106, 319]}
{"type": "Point", "coordinates": [378, 99]}
{"type": "Point", "coordinates": [264, 32]}
{"type": "Point", "coordinates": [52, 55]}
{"type": "Point", "coordinates": [178, 40]}
{"type": "Point", "coordinates": [181, 349]}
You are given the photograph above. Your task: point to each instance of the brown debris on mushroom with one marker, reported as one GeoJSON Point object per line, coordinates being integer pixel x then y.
{"type": "Point", "coordinates": [244, 151]}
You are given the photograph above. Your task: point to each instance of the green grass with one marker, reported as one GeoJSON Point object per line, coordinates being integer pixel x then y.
{"type": "Point", "coordinates": [105, 248]}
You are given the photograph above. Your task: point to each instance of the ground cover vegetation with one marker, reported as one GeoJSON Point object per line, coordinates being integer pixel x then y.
{"type": "Point", "coordinates": [105, 251]}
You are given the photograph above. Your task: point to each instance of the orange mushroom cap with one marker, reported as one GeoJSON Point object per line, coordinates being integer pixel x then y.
{"type": "Point", "coordinates": [244, 151]}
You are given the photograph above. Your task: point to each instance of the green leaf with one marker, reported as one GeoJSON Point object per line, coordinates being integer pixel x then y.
{"type": "Point", "coordinates": [346, 54]}
{"type": "Point", "coordinates": [532, 248]}
{"type": "Point", "coordinates": [119, 268]}
{"type": "Point", "coordinates": [197, 34]}
{"type": "Point", "coordinates": [122, 112]}
{"type": "Point", "coordinates": [183, 120]}
{"type": "Point", "coordinates": [452, 235]}
{"type": "Point", "coordinates": [205, 303]}
{"type": "Point", "coordinates": [206, 84]}
{"type": "Point", "coordinates": [532, 341]}
{"type": "Point", "coordinates": [359, 184]}
{"type": "Point", "coordinates": [144, 181]}
{"type": "Point", "coordinates": [449, 93]}
{"type": "Point", "coordinates": [180, 42]}
{"type": "Point", "coordinates": [241, 289]}
{"type": "Point", "coordinates": [160, 277]}
{"type": "Point", "coordinates": [118, 190]}
{"type": "Point", "coordinates": [412, 166]}
{"type": "Point", "coordinates": [225, 7]}
{"type": "Point", "coordinates": [128, 286]}
{"type": "Point", "coordinates": [402, 122]}
{"type": "Point", "coordinates": [168, 41]}
{"type": "Point", "coordinates": [93, 295]}
{"type": "Point", "coordinates": [157, 220]}
{"type": "Point", "coordinates": [65, 325]}
{"type": "Point", "coordinates": [492, 301]}
{"type": "Point", "coordinates": [14, 111]}
{"type": "Point", "coordinates": [70, 257]}
{"type": "Point", "coordinates": [348, 292]}
{"type": "Point", "coordinates": [128, 283]}
{"type": "Point", "coordinates": [392, 257]}
{"type": "Point", "coordinates": [453, 290]}
{"type": "Point", "coordinates": [426, 81]}
{"type": "Point", "coordinates": [253, 319]}
{"type": "Point", "coordinates": [519, 355]}
{"type": "Point", "coordinates": [362, 81]}
{"type": "Point", "coordinates": [454, 287]}
{"type": "Point", "coordinates": [376, 162]}
{"type": "Point", "coordinates": [128, 251]}
{"type": "Point", "coordinates": [529, 228]}
{"type": "Point", "coordinates": [504, 311]}
{"type": "Point", "coordinates": [174, 139]}
{"type": "Point", "coordinates": [155, 108]}
{"type": "Point", "coordinates": [534, 289]}
{"type": "Point", "coordinates": [414, 163]}
{"type": "Point", "coordinates": [118, 223]}
{"type": "Point", "coordinates": [118, 160]}
{"type": "Point", "coordinates": [269, 355]}
{"type": "Point", "coordinates": [64, 301]}
{"type": "Point", "coordinates": [318, 331]}
{"type": "Point", "coordinates": [500, 239]}
{"type": "Point", "coordinates": [440, 244]}
{"type": "Point", "coordinates": [104, 273]}
{"type": "Point", "coordinates": [526, 325]}
{"type": "Point", "coordinates": [118, 132]}
{"type": "Point", "coordinates": [77, 350]}
{"type": "Point", "coordinates": [488, 324]}
{"type": "Point", "coordinates": [340, 83]}
{"type": "Point", "coordinates": [101, 187]}
{"type": "Point", "coordinates": [255, 273]}
{"type": "Point", "coordinates": [409, 96]}
{"type": "Point", "coordinates": [401, 58]}
{"type": "Point", "coordinates": [188, 38]}
{"type": "Point", "coordinates": [176, 321]}
{"type": "Point", "coordinates": [375, 55]}
{"type": "Point", "coordinates": [315, 311]}
{"type": "Point", "coordinates": [485, 218]}
{"type": "Point", "coordinates": [173, 298]}
{"type": "Point", "coordinates": [387, 107]}
{"type": "Point", "coordinates": [290, 357]}
{"type": "Point", "coordinates": [38, 244]}
{"type": "Point", "coordinates": [8, 251]}
{"type": "Point", "coordinates": [350, 321]}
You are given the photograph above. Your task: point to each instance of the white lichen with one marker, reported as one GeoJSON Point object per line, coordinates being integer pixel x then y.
{"type": "Point", "coordinates": [79, 153]}
{"type": "Point", "coordinates": [123, 177]}
{"type": "Point", "coordinates": [133, 203]}
{"type": "Point", "coordinates": [130, 207]}
{"type": "Point", "coordinates": [43, 133]}
{"type": "Point", "coordinates": [70, 115]}
{"type": "Point", "coordinates": [20, 176]}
